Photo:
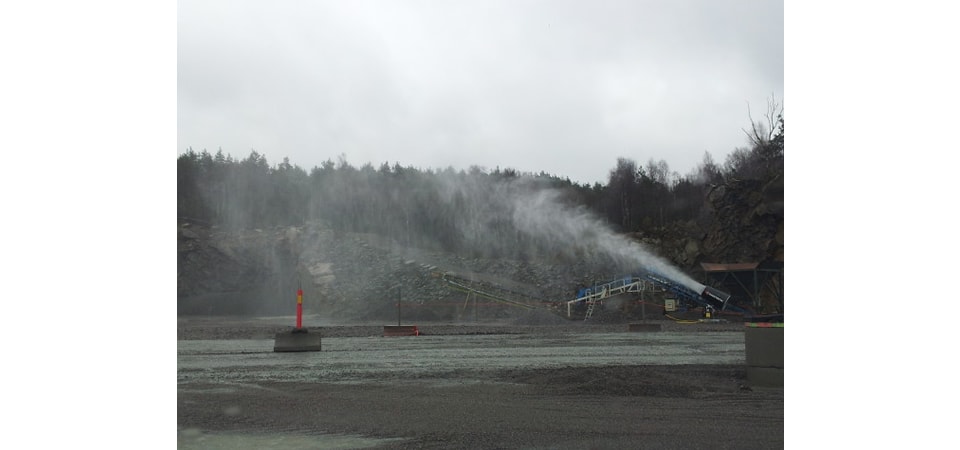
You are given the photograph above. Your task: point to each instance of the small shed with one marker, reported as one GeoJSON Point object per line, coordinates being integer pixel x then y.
{"type": "Point", "coordinates": [757, 284]}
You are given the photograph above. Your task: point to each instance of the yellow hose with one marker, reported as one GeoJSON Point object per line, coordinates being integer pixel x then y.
{"type": "Point", "coordinates": [681, 321]}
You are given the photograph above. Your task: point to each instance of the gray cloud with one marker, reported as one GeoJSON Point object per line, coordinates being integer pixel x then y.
{"type": "Point", "coordinates": [564, 87]}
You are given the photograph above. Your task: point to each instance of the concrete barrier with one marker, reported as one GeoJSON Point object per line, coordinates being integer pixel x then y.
{"type": "Point", "coordinates": [297, 340]}
{"type": "Point", "coordinates": [764, 348]}
{"type": "Point", "coordinates": [401, 330]}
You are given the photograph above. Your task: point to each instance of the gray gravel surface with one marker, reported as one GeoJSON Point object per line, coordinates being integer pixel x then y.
{"type": "Point", "coordinates": [562, 404]}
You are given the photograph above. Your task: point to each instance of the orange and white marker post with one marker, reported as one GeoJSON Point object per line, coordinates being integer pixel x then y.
{"type": "Point", "coordinates": [299, 339]}
{"type": "Point", "coordinates": [299, 307]}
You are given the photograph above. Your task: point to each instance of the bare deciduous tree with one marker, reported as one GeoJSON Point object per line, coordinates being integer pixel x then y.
{"type": "Point", "coordinates": [762, 133]}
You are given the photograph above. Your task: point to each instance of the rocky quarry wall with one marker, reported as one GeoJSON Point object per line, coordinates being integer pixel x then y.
{"type": "Point", "coordinates": [359, 277]}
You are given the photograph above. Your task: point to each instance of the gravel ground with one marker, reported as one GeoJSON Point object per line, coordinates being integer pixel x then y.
{"type": "Point", "coordinates": [556, 407]}
{"type": "Point", "coordinates": [194, 328]}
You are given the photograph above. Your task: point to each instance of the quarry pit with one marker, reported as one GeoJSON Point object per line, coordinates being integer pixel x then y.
{"type": "Point", "coordinates": [484, 385]}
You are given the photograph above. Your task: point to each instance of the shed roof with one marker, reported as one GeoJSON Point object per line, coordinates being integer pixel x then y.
{"type": "Point", "coordinates": [732, 267]}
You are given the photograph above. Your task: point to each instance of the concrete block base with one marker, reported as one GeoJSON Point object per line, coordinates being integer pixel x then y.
{"type": "Point", "coordinates": [298, 340]}
{"type": "Point", "coordinates": [765, 376]}
{"type": "Point", "coordinates": [764, 348]}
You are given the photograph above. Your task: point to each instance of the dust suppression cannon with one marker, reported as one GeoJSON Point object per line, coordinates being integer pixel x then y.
{"type": "Point", "coordinates": [701, 295]}
{"type": "Point", "coordinates": [299, 339]}
{"type": "Point", "coordinates": [717, 298]}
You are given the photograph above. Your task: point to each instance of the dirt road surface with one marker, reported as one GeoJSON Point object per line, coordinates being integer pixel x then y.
{"type": "Point", "coordinates": [566, 386]}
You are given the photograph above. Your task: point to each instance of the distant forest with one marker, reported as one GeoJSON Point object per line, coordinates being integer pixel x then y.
{"type": "Point", "coordinates": [391, 200]}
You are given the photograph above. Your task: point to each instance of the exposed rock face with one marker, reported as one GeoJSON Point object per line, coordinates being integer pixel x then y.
{"type": "Point", "coordinates": [360, 277]}
{"type": "Point", "coordinates": [215, 269]}
{"type": "Point", "coordinates": [748, 223]}
{"type": "Point", "coordinates": [749, 228]}
{"type": "Point", "coordinates": [354, 276]}
{"type": "Point", "coordinates": [743, 223]}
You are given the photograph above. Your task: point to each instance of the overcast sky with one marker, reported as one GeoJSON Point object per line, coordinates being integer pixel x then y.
{"type": "Point", "coordinates": [564, 87]}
